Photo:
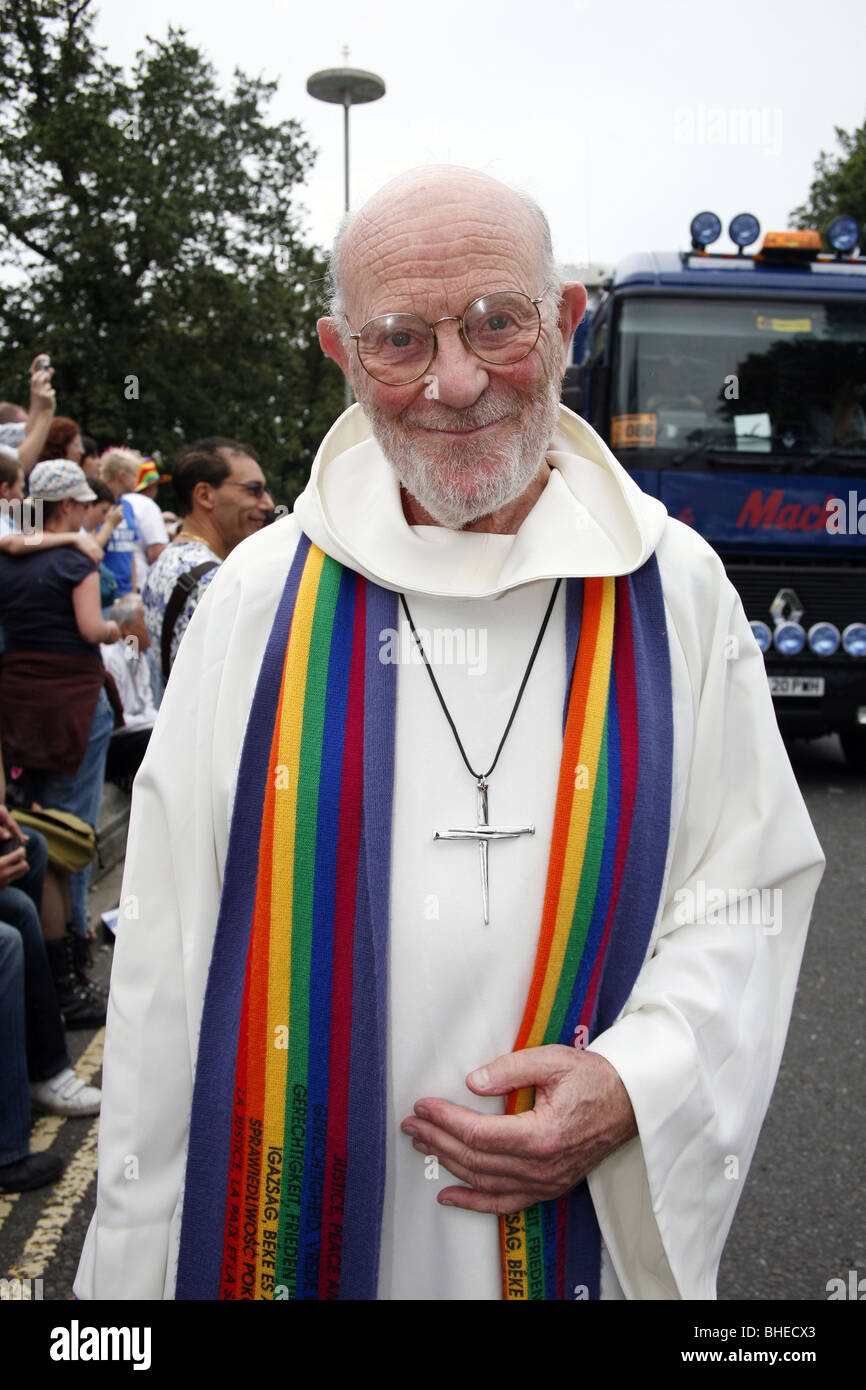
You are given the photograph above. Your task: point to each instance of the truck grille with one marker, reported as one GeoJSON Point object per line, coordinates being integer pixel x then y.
{"type": "Point", "coordinates": [828, 593]}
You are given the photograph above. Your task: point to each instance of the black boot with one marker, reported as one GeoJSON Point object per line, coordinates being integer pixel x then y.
{"type": "Point", "coordinates": [82, 960]}
{"type": "Point", "coordinates": [80, 1006]}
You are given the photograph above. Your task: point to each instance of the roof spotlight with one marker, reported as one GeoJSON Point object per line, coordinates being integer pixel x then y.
{"type": "Point", "coordinates": [843, 234]}
{"type": "Point", "coordinates": [705, 229]}
{"type": "Point", "coordinates": [744, 229]}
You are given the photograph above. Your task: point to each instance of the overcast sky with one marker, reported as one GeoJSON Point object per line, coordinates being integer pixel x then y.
{"type": "Point", "coordinates": [622, 117]}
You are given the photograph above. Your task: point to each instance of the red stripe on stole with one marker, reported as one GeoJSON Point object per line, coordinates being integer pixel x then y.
{"type": "Point", "coordinates": [234, 1222]}
{"type": "Point", "coordinates": [593, 590]}
{"type": "Point", "coordinates": [627, 719]}
{"type": "Point", "coordinates": [252, 1040]}
{"type": "Point", "coordinates": [348, 849]}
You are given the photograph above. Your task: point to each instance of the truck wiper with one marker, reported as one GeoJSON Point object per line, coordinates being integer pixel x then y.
{"type": "Point", "coordinates": [835, 452]}
{"type": "Point", "coordinates": [697, 450]}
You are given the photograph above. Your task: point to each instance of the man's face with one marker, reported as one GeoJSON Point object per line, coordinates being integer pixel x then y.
{"type": "Point", "coordinates": [481, 443]}
{"type": "Point", "coordinates": [238, 512]}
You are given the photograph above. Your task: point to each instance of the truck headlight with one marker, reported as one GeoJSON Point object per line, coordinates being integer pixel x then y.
{"type": "Point", "coordinates": [763, 635]}
{"type": "Point", "coordinates": [854, 639]}
{"type": "Point", "coordinates": [824, 639]}
{"type": "Point", "coordinates": [789, 638]}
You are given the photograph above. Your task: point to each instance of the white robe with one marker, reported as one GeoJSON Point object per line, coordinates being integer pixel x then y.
{"type": "Point", "coordinates": [699, 1041]}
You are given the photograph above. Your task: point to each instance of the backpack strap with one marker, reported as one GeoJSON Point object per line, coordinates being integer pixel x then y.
{"type": "Point", "coordinates": [186, 582]}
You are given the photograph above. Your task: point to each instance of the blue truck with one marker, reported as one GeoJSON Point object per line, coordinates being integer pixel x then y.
{"type": "Point", "coordinates": [733, 387]}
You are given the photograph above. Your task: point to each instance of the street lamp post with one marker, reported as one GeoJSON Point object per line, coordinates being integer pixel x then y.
{"type": "Point", "coordinates": [346, 87]}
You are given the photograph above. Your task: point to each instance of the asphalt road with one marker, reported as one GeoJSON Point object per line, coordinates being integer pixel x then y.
{"type": "Point", "coordinates": [801, 1220]}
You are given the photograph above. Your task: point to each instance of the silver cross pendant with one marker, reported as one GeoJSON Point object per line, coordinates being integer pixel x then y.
{"type": "Point", "coordinates": [484, 832]}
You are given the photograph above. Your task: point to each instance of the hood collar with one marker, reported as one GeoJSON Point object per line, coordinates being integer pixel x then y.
{"type": "Point", "coordinates": [591, 519]}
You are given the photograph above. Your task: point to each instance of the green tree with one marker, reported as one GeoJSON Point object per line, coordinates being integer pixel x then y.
{"type": "Point", "coordinates": [153, 245]}
{"type": "Point", "coordinates": [839, 184]}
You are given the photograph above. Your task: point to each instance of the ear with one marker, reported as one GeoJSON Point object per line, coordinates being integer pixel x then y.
{"type": "Point", "coordinates": [203, 495]}
{"type": "Point", "coordinates": [571, 310]}
{"type": "Point", "coordinates": [332, 343]}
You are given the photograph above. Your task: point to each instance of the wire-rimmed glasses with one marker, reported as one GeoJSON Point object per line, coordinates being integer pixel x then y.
{"type": "Point", "coordinates": [501, 328]}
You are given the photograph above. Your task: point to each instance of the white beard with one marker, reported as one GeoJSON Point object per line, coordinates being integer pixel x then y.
{"type": "Point", "coordinates": [502, 472]}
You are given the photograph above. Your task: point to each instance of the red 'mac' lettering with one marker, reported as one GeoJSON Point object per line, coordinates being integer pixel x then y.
{"type": "Point", "coordinates": [757, 512]}
{"type": "Point", "coordinates": [814, 517]}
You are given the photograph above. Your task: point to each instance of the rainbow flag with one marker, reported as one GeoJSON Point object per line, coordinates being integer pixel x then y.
{"type": "Point", "coordinates": [286, 1161]}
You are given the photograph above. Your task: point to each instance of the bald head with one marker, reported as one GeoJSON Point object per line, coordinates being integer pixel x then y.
{"type": "Point", "coordinates": [471, 260]}
{"type": "Point", "coordinates": [426, 223]}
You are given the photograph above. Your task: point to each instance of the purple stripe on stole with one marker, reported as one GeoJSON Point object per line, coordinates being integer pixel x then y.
{"type": "Point", "coordinates": [583, 1247]}
{"type": "Point", "coordinates": [365, 1177]}
{"type": "Point", "coordinates": [573, 615]}
{"type": "Point", "coordinates": [204, 1204]}
{"type": "Point", "coordinates": [641, 885]}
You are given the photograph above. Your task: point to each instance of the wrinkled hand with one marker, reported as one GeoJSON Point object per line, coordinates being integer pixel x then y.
{"type": "Point", "coordinates": [582, 1113]}
{"type": "Point", "coordinates": [89, 547]}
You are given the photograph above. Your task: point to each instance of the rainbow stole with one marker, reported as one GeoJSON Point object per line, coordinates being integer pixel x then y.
{"type": "Point", "coordinates": [286, 1160]}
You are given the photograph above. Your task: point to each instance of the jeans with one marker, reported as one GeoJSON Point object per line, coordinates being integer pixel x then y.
{"type": "Point", "coordinates": [14, 1090]}
{"type": "Point", "coordinates": [20, 904]}
{"type": "Point", "coordinates": [81, 794]}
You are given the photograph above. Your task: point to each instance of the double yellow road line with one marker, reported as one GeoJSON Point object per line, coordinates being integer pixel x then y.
{"type": "Point", "coordinates": [71, 1187]}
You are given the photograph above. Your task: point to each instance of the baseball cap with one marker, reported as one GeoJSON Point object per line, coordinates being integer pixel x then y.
{"type": "Point", "coordinates": [59, 480]}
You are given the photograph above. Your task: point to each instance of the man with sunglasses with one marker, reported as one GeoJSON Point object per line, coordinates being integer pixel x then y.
{"type": "Point", "coordinates": [424, 999]}
{"type": "Point", "coordinates": [223, 497]}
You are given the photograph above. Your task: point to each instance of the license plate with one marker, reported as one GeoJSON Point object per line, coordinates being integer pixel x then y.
{"type": "Point", "coordinates": [796, 685]}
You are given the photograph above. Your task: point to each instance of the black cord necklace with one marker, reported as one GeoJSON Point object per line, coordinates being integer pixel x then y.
{"type": "Point", "coordinates": [483, 832]}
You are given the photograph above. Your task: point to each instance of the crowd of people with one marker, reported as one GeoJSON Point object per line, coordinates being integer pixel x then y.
{"type": "Point", "coordinates": [97, 586]}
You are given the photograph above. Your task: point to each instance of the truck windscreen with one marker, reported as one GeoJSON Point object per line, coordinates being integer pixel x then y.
{"type": "Point", "coordinates": [746, 377]}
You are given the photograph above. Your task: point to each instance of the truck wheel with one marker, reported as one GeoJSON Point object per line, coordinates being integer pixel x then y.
{"type": "Point", "coordinates": [853, 740]}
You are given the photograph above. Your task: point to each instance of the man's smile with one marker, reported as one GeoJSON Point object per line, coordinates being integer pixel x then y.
{"type": "Point", "coordinates": [453, 433]}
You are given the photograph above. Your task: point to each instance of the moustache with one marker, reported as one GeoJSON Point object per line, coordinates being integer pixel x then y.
{"type": "Point", "coordinates": [472, 418]}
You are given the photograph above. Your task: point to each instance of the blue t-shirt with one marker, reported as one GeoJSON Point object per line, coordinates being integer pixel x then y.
{"type": "Point", "coordinates": [120, 551]}
{"type": "Point", "coordinates": [36, 606]}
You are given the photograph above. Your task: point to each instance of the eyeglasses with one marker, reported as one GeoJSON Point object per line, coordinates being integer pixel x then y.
{"type": "Point", "coordinates": [398, 349]}
{"type": "Point", "coordinates": [257, 489]}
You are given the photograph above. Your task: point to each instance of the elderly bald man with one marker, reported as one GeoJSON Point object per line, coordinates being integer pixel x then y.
{"type": "Point", "coordinates": [423, 998]}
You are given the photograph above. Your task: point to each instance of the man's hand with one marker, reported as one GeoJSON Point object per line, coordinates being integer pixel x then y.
{"type": "Point", "coordinates": [582, 1113]}
{"type": "Point", "coordinates": [88, 546]}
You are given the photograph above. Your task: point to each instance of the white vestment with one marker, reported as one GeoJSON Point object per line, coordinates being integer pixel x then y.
{"type": "Point", "coordinates": [699, 1041]}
